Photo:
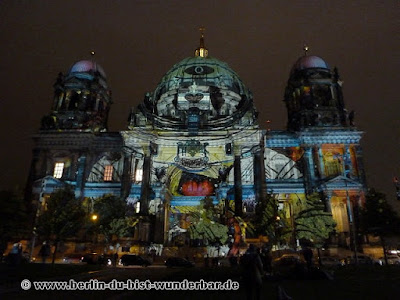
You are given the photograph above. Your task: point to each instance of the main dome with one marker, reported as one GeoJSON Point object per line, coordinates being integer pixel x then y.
{"type": "Point", "coordinates": [198, 93]}
{"type": "Point", "coordinates": [204, 71]}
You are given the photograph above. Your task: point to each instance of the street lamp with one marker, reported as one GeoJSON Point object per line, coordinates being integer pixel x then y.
{"type": "Point", "coordinates": [94, 218]}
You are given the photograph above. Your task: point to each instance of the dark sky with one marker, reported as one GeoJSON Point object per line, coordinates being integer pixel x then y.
{"type": "Point", "coordinates": [136, 42]}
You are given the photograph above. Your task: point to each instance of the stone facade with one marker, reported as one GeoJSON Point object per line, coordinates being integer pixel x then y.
{"type": "Point", "coordinates": [197, 135]}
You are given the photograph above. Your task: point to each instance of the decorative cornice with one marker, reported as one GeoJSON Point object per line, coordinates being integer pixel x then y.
{"type": "Point", "coordinates": [330, 136]}
{"type": "Point", "coordinates": [285, 187]}
{"type": "Point", "coordinates": [341, 183]}
{"type": "Point", "coordinates": [275, 139]}
{"type": "Point", "coordinates": [78, 140]}
{"type": "Point", "coordinates": [137, 136]}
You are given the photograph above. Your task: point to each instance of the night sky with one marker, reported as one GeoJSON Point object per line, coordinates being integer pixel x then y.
{"type": "Point", "coordinates": [136, 42]}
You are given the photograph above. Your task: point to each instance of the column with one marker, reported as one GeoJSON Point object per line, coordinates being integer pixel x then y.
{"type": "Point", "coordinates": [309, 168]}
{"type": "Point", "coordinates": [159, 212]}
{"type": "Point", "coordinates": [145, 190]}
{"type": "Point", "coordinates": [321, 163]}
{"type": "Point", "coordinates": [328, 204]}
{"type": "Point", "coordinates": [126, 181]}
{"type": "Point", "coordinates": [348, 166]}
{"type": "Point", "coordinates": [360, 164]}
{"type": "Point", "coordinates": [237, 175]}
{"type": "Point", "coordinates": [259, 173]}
{"type": "Point", "coordinates": [80, 176]}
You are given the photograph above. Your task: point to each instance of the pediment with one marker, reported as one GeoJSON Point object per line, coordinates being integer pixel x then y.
{"type": "Point", "coordinates": [342, 182]}
{"type": "Point", "coordinates": [46, 182]}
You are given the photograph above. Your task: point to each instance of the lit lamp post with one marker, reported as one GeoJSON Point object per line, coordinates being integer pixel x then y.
{"type": "Point", "coordinates": [94, 218]}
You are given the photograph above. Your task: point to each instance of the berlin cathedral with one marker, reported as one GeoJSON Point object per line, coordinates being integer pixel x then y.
{"type": "Point", "coordinates": [197, 135]}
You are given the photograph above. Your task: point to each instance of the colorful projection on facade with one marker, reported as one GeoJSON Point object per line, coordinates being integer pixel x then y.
{"type": "Point", "coordinates": [196, 185]}
{"type": "Point", "coordinates": [283, 163]}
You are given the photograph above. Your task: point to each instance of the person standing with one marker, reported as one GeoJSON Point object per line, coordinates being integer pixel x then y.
{"type": "Point", "coordinates": [44, 251]}
{"type": "Point", "coordinates": [13, 255]}
{"type": "Point", "coordinates": [266, 259]}
{"type": "Point", "coordinates": [206, 261]}
{"type": "Point", "coordinates": [115, 259]}
{"type": "Point", "coordinates": [308, 256]}
{"type": "Point", "coordinates": [252, 272]}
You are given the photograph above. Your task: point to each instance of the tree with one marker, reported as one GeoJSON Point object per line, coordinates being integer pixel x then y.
{"type": "Point", "coordinates": [114, 218]}
{"type": "Point", "coordinates": [268, 220]}
{"type": "Point", "coordinates": [206, 224]}
{"type": "Point", "coordinates": [378, 214]}
{"type": "Point", "coordinates": [14, 221]}
{"type": "Point", "coordinates": [313, 223]}
{"type": "Point", "coordinates": [62, 217]}
{"type": "Point", "coordinates": [378, 217]}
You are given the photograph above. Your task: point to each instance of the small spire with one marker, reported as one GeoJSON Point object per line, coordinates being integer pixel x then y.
{"type": "Point", "coordinates": [92, 53]}
{"type": "Point", "coordinates": [202, 51]}
{"type": "Point", "coordinates": [305, 48]}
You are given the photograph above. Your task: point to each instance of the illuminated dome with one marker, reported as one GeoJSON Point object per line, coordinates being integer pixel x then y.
{"type": "Point", "coordinates": [204, 71]}
{"type": "Point", "coordinates": [198, 93]}
{"type": "Point", "coordinates": [310, 62]}
{"type": "Point", "coordinates": [87, 66]}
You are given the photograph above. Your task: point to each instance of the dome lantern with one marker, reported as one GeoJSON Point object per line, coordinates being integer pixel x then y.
{"type": "Point", "coordinates": [201, 51]}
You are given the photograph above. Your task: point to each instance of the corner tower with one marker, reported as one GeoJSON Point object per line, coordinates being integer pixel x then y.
{"type": "Point", "coordinates": [330, 142]}
{"type": "Point", "coordinates": [81, 99]}
{"type": "Point", "coordinates": [314, 96]}
{"type": "Point", "coordinates": [73, 144]}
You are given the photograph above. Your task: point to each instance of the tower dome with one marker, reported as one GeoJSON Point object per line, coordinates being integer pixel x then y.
{"type": "Point", "coordinates": [310, 62]}
{"type": "Point", "coordinates": [81, 99]}
{"type": "Point", "coordinates": [313, 95]}
{"type": "Point", "coordinates": [87, 66]}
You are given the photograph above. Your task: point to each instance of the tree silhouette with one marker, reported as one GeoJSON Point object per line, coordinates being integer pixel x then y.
{"type": "Point", "coordinates": [268, 220]}
{"type": "Point", "coordinates": [114, 218]}
{"type": "Point", "coordinates": [14, 221]}
{"type": "Point", "coordinates": [62, 217]}
{"type": "Point", "coordinates": [378, 217]}
{"type": "Point", "coordinates": [206, 224]}
{"type": "Point", "coordinates": [313, 223]}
